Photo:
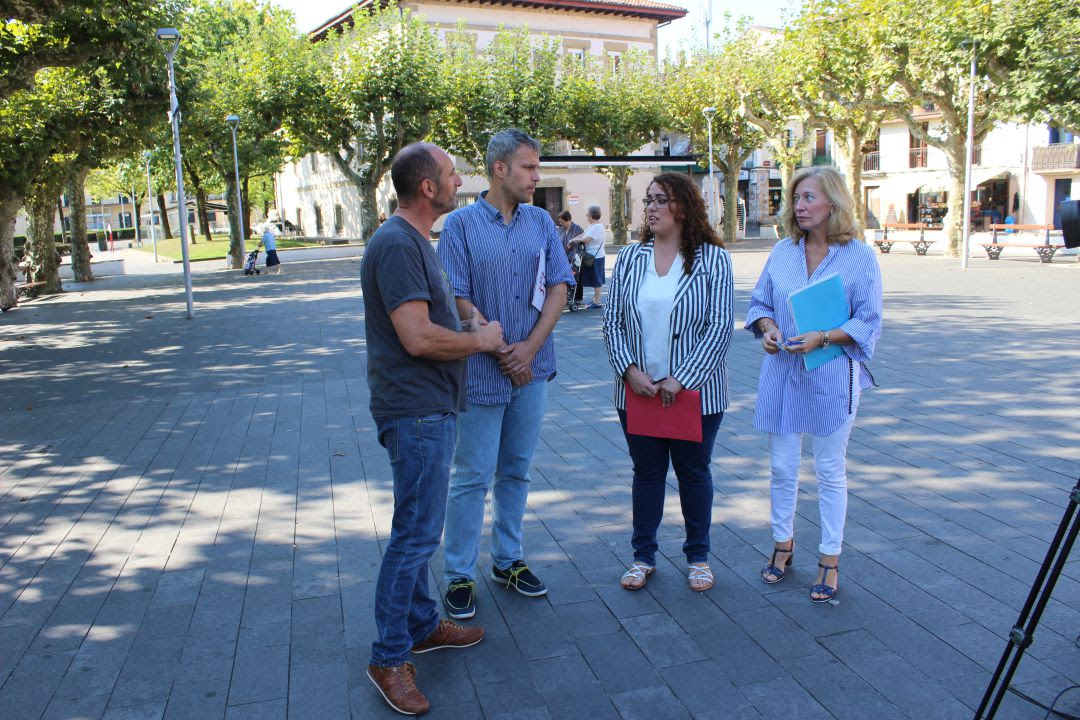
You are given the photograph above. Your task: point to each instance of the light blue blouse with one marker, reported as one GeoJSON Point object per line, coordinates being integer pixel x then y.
{"type": "Point", "coordinates": [790, 399]}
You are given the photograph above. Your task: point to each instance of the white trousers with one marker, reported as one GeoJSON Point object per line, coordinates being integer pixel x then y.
{"type": "Point", "coordinates": [830, 466]}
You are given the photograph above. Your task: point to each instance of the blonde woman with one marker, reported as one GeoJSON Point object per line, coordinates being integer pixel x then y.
{"type": "Point", "coordinates": [793, 402]}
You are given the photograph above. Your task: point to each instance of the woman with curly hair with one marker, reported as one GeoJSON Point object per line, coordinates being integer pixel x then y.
{"type": "Point", "coordinates": [667, 327]}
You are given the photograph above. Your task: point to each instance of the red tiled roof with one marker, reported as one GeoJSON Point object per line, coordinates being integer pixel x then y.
{"type": "Point", "coordinates": [659, 11]}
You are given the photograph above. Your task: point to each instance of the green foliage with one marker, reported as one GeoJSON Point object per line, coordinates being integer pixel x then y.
{"type": "Point", "coordinates": [368, 92]}
{"type": "Point", "coordinates": [510, 83]}
{"type": "Point", "coordinates": [238, 57]}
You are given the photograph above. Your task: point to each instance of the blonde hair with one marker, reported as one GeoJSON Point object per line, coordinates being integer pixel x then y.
{"type": "Point", "coordinates": [841, 226]}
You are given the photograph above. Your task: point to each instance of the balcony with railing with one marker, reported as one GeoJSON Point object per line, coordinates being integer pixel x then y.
{"type": "Point", "coordinates": [917, 157]}
{"type": "Point", "coordinates": [871, 161]}
{"type": "Point", "coordinates": [1055, 158]}
{"type": "Point", "coordinates": [821, 159]}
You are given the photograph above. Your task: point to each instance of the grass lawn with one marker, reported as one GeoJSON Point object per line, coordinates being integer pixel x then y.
{"type": "Point", "coordinates": [216, 250]}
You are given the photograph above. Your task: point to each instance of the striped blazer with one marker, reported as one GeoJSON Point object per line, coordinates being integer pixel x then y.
{"type": "Point", "coordinates": [701, 322]}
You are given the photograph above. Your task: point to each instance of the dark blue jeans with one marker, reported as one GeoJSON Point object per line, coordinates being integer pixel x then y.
{"type": "Point", "coordinates": [691, 461]}
{"type": "Point", "coordinates": [420, 450]}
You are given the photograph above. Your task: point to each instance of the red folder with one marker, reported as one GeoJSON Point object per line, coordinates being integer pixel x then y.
{"type": "Point", "coordinates": [647, 416]}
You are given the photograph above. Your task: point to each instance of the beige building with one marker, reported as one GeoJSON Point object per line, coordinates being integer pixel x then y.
{"type": "Point", "coordinates": [322, 202]}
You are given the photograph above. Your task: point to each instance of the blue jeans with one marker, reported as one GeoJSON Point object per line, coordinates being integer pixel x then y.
{"type": "Point", "coordinates": [691, 461]}
{"type": "Point", "coordinates": [495, 445]}
{"type": "Point", "coordinates": [420, 449]}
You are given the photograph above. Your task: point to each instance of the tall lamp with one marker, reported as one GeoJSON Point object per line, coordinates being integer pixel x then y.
{"type": "Point", "coordinates": [166, 36]}
{"type": "Point", "coordinates": [234, 122]}
{"type": "Point", "coordinates": [709, 112]}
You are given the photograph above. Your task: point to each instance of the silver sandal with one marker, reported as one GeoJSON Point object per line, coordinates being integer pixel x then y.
{"type": "Point", "coordinates": [636, 577]}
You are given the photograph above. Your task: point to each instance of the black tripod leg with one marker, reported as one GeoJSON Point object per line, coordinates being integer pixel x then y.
{"type": "Point", "coordinates": [1023, 632]}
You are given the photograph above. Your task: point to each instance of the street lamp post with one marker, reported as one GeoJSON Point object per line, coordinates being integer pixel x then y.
{"type": "Point", "coordinates": [173, 35]}
{"type": "Point", "coordinates": [709, 112]}
{"type": "Point", "coordinates": [967, 162]}
{"type": "Point", "coordinates": [150, 202]}
{"type": "Point", "coordinates": [234, 122]}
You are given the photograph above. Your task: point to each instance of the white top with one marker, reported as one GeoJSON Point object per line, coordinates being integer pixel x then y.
{"type": "Point", "coordinates": [656, 297]}
{"type": "Point", "coordinates": [595, 235]}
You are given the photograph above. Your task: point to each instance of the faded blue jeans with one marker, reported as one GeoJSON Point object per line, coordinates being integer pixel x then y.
{"type": "Point", "coordinates": [494, 450]}
{"type": "Point", "coordinates": [420, 450]}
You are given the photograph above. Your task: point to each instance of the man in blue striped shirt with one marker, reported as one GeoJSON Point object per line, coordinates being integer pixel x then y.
{"type": "Point", "coordinates": [505, 262]}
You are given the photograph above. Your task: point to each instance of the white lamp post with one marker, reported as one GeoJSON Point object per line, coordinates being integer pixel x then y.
{"type": "Point", "coordinates": [172, 35]}
{"type": "Point", "coordinates": [150, 202]}
{"type": "Point", "coordinates": [967, 162]}
{"type": "Point", "coordinates": [234, 122]}
{"type": "Point", "coordinates": [709, 112]}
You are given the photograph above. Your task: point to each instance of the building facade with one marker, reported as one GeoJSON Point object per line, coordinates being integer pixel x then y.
{"type": "Point", "coordinates": [320, 201]}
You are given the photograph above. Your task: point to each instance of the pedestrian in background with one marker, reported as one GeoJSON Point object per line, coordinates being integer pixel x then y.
{"type": "Point", "coordinates": [818, 214]}
{"type": "Point", "coordinates": [569, 231]}
{"type": "Point", "coordinates": [592, 271]}
{"type": "Point", "coordinates": [269, 241]}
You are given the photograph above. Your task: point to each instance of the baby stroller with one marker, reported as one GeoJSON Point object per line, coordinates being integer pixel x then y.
{"type": "Point", "coordinates": [249, 262]}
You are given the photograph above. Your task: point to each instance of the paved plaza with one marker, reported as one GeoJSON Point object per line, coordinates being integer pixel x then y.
{"type": "Point", "coordinates": [192, 514]}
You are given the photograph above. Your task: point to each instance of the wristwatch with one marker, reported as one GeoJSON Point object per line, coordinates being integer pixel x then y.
{"type": "Point", "coordinates": [824, 339]}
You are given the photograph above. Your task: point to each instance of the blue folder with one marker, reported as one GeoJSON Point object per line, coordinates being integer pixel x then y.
{"type": "Point", "coordinates": [821, 305]}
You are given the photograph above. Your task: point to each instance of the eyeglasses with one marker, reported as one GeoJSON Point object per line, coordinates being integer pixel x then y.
{"type": "Point", "coordinates": [658, 201]}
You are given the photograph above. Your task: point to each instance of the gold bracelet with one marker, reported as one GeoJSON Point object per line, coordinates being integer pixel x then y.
{"type": "Point", "coordinates": [824, 339]}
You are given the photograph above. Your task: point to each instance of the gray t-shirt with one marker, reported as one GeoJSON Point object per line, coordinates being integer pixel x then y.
{"type": "Point", "coordinates": [399, 266]}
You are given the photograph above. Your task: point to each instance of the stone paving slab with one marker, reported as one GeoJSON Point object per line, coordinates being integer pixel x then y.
{"type": "Point", "coordinates": [193, 512]}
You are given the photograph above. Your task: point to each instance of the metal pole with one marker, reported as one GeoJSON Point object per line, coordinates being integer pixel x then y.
{"type": "Point", "coordinates": [234, 121]}
{"type": "Point", "coordinates": [713, 195]}
{"type": "Point", "coordinates": [181, 199]}
{"type": "Point", "coordinates": [967, 162]}
{"type": "Point", "coordinates": [150, 204]}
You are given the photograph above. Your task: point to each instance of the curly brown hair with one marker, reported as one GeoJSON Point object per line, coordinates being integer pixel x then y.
{"type": "Point", "coordinates": [690, 211]}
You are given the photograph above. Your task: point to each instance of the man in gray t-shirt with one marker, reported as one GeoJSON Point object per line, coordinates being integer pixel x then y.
{"type": "Point", "coordinates": [416, 372]}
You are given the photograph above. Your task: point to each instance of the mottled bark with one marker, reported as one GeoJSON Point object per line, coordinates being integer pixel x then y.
{"type": "Point", "coordinates": [953, 222]}
{"type": "Point", "coordinates": [619, 176]}
{"type": "Point", "coordinates": [9, 207]}
{"type": "Point", "coordinates": [247, 208]}
{"type": "Point", "coordinates": [854, 139]}
{"type": "Point", "coordinates": [163, 216]}
{"type": "Point", "coordinates": [235, 252]}
{"type": "Point", "coordinates": [80, 248]}
{"type": "Point", "coordinates": [204, 216]}
{"type": "Point", "coordinates": [40, 244]}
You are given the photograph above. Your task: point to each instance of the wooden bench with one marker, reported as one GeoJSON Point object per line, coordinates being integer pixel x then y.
{"type": "Point", "coordinates": [28, 289]}
{"type": "Point", "coordinates": [921, 245]}
{"type": "Point", "coordinates": [1044, 249]}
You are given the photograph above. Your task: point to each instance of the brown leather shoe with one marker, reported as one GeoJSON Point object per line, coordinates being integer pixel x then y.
{"type": "Point", "coordinates": [398, 687]}
{"type": "Point", "coordinates": [450, 635]}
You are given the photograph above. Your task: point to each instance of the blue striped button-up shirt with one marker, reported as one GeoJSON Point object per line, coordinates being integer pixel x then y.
{"type": "Point", "coordinates": [493, 265]}
{"type": "Point", "coordinates": [790, 399]}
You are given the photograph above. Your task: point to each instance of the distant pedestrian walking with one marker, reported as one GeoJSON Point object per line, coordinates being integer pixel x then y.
{"type": "Point", "coordinates": [818, 215]}
{"type": "Point", "coordinates": [592, 265]}
{"type": "Point", "coordinates": [269, 241]}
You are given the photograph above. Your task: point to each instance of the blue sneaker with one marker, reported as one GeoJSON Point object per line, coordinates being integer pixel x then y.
{"type": "Point", "coordinates": [594, 306]}
{"type": "Point", "coordinates": [460, 598]}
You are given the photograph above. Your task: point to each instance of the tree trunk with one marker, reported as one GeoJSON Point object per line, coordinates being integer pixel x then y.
{"type": "Point", "coordinates": [369, 210]}
{"type": "Point", "coordinates": [731, 195]}
{"type": "Point", "coordinates": [953, 223]}
{"type": "Point", "coordinates": [853, 139]}
{"type": "Point", "coordinates": [163, 216]}
{"type": "Point", "coordinates": [247, 208]}
{"type": "Point", "coordinates": [135, 204]}
{"type": "Point", "coordinates": [9, 208]}
{"type": "Point", "coordinates": [204, 216]}
{"type": "Point", "coordinates": [40, 245]}
{"type": "Point", "coordinates": [619, 177]}
{"type": "Point", "coordinates": [80, 248]}
{"type": "Point", "coordinates": [235, 252]}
